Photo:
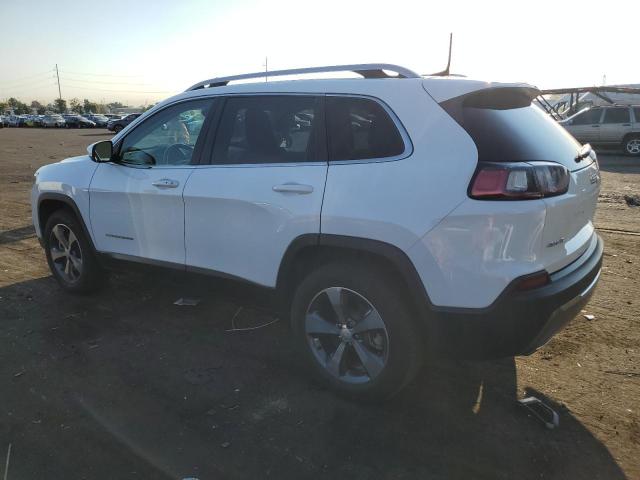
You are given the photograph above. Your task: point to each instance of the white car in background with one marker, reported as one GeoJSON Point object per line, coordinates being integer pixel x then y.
{"type": "Point", "coordinates": [53, 121]}
{"type": "Point", "coordinates": [391, 214]}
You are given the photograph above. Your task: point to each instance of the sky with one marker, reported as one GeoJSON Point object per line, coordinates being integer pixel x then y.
{"type": "Point", "coordinates": [141, 51]}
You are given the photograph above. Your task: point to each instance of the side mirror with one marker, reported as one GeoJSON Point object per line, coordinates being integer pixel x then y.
{"type": "Point", "coordinates": [102, 151]}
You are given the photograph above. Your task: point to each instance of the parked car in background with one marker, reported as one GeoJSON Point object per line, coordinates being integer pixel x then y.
{"type": "Point", "coordinates": [616, 125]}
{"type": "Point", "coordinates": [12, 120]}
{"type": "Point", "coordinates": [119, 124]}
{"type": "Point", "coordinates": [1, 121]}
{"type": "Point", "coordinates": [53, 121]}
{"type": "Point", "coordinates": [99, 120]}
{"type": "Point", "coordinates": [112, 116]}
{"type": "Point", "coordinates": [78, 121]}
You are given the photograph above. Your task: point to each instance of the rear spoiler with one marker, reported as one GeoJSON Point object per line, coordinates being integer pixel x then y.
{"type": "Point", "coordinates": [499, 98]}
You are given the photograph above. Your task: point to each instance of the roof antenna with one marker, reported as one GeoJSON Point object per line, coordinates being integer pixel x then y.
{"type": "Point", "coordinates": [445, 72]}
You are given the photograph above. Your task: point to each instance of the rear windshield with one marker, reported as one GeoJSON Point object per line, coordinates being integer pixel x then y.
{"type": "Point", "coordinates": [517, 134]}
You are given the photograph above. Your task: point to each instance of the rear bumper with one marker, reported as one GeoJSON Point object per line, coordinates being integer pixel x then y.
{"type": "Point", "coordinates": [518, 323]}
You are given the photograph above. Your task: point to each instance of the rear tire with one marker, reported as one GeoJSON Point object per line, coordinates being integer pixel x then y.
{"type": "Point", "coordinates": [117, 128]}
{"type": "Point", "coordinates": [632, 145]}
{"type": "Point", "coordinates": [379, 345]}
{"type": "Point", "coordinates": [69, 254]}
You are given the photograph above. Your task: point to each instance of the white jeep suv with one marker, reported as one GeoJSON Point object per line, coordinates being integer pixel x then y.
{"type": "Point", "coordinates": [392, 214]}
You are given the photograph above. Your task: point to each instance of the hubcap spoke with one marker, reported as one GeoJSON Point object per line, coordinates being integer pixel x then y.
{"type": "Point", "coordinates": [316, 325]}
{"type": "Point", "coordinates": [371, 321]}
{"type": "Point", "coordinates": [77, 262]}
{"type": "Point", "coordinates": [56, 254]}
{"type": "Point", "coordinates": [59, 234]}
{"type": "Point", "coordinates": [334, 294]}
{"type": "Point", "coordinates": [370, 361]}
{"type": "Point", "coordinates": [333, 364]}
{"type": "Point", "coordinates": [72, 239]}
{"type": "Point", "coordinates": [67, 266]}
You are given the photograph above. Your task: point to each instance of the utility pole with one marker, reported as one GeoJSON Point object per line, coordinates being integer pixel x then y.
{"type": "Point", "coordinates": [266, 68]}
{"type": "Point", "coordinates": [58, 76]}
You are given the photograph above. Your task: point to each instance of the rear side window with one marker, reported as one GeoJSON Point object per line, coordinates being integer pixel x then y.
{"type": "Point", "coordinates": [268, 129]}
{"type": "Point", "coordinates": [588, 118]}
{"type": "Point", "coordinates": [517, 134]}
{"type": "Point", "coordinates": [616, 115]}
{"type": "Point", "coordinates": [359, 129]}
{"type": "Point", "coordinates": [636, 112]}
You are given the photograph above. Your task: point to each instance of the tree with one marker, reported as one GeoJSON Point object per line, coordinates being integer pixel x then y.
{"type": "Point", "coordinates": [17, 106]}
{"type": "Point", "coordinates": [113, 105]}
{"type": "Point", "coordinates": [90, 107]}
{"type": "Point", "coordinates": [75, 105]}
{"type": "Point", "coordinates": [38, 107]}
{"type": "Point", "coordinates": [3, 107]}
{"type": "Point", "coordinates": [61, 105]}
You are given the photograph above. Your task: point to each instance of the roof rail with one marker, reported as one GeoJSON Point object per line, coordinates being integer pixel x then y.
{"type": "Point", "coordinates": [367, 70]}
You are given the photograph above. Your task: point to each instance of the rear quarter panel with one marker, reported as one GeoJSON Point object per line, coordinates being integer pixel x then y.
{"type": "Point", "coordinates": [399, 201]}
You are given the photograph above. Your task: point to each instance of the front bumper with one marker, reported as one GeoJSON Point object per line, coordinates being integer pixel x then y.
{"type": "Point", "coordinates": [519, 322]}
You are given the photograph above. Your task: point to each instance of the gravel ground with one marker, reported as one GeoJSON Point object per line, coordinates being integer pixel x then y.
{"type": "Point", "coordinates": [124, 384]}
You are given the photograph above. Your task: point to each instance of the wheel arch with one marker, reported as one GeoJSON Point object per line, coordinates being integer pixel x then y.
{"type": "Point", "coordinates": [51, 202]}
{"type": "Point", "coordinates": [310, 251]}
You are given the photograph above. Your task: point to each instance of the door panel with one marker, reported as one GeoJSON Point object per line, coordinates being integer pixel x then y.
{"type": "Point", "coordinates": [240, 219]}
{"type": "Point", "coordinates": [139, 211]}
{"type": "Point", "coordinates": [585, 127]}
{"type": "Point", "coordinates": [616, 123]}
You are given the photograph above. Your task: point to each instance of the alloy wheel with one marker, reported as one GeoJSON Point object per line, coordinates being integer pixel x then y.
{"type": "Point", "coordinates": [347, 335]}
{"type": "Point", "coordinates": [633, 146]}
{"type": "Point", "coordinates": [66, 254]}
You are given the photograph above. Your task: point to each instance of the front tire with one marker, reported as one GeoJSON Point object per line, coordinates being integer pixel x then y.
{"type": "Point", "coordinates": [69, 254]}
{"type": "Point", "coordinates": [356, 330]}
{"type": "Point", "coordinates": [632, 145]}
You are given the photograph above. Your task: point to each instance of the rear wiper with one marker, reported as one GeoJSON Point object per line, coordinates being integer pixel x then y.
{"type": "Point", "coordinates": [585, 151]}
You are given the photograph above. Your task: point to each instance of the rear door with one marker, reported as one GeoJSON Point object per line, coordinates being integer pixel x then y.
{"type": "Point", "coordinates": [585, 126]}
{"type": "Point", "coordinates": [616, 123]}
{"type": "Point", "coordinates": [262, 189]}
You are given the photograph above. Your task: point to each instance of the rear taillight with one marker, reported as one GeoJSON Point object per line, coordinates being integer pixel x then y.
{"type": "Point", "coordinates": [518, 181]}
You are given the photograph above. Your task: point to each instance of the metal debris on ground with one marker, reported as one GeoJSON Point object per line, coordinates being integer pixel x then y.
{"type": "Point", "coordinates": [6, 465]}
{"type": "Point", "coordinates": [541, 411]}
{"type": "Point", "coordinates": [187, 302]}
{"type": "Point", "coordinates": [589, 317]}
{"type": "Point", "coordinates": [632, 200]}
{"type": "Point", "coordinates": [247, 329]}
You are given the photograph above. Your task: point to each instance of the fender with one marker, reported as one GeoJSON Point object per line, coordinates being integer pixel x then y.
{"type": "Point", "coordinates": [69, 202]}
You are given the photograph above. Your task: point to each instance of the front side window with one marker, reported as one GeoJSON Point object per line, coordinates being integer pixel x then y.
{"type": "Point", "coordinates": [616, 115]}
{"type": "Point", "coordinates": [168, 137]}
{"type": "Point", "coordinates": [588, 118]}
{"type": "Point", "coordinates": [360, 128]}
{"type": "Point", "coordinates": [268, 129]}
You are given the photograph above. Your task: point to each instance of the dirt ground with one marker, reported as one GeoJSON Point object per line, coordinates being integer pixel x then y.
{"type": "Point", "coordinates": [124, 384]}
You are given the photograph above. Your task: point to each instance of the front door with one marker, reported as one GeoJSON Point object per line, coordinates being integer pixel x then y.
{"type": "Point", "coordinates": [263, 189]}
{"type": "Point", "coordinates": [136, 205]}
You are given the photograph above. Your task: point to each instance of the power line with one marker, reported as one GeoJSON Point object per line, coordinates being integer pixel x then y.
{"type": "Point", "coordinates": [101, 82]}
{"type": "Point", "coordinates": [99, 74]}
{"type": "Point", "coordinates": [119, 91]}
{"type": "Point", "coordinates": [21, 79]}
{"type": "Point", "coordinates": [26, 82]}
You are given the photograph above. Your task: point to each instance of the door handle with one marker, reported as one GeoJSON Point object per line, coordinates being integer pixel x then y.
{"type": "Point", "coordinates": [166, 183]}
{"type": "Point", "coordinates": [626, 124]}
{"type": "Point", "coordinates": [293, 188]}
{"type": "Point", "coordinates": [595, 126]}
